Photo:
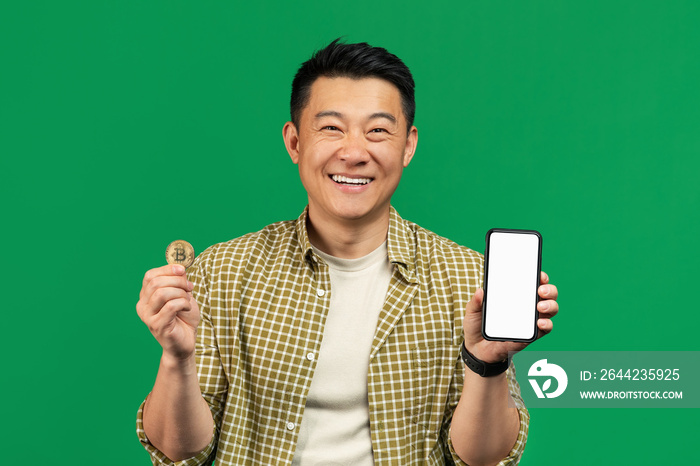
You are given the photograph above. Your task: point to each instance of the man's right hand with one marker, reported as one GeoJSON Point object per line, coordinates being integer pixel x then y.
{"type": "Point", "coordinates": [167, 307]}
{"type": "Point", "coordinates": [176, 418]}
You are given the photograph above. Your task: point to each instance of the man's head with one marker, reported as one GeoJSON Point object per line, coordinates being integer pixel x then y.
{"type": "Point", "coordinates": [355, 61]}
{"type": "Point", "coordinates": [352, 136]}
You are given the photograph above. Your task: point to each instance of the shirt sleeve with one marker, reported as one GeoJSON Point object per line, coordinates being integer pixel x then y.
{"type": "Point", "coordinates": [516, 452]}
{"type": "Point", "coordinates": [212, 379]}
{"type": "Point", "coordinates": [204, 458]}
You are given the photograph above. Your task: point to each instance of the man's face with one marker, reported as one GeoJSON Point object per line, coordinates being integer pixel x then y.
{"type": "Point", "coordinates": [351, 148]}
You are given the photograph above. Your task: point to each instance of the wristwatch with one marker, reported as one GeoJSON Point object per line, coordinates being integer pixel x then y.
{"type": "Point", "coordinates": [484, 369]}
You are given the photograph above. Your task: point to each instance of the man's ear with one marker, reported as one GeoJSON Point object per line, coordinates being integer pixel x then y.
{"type": "Point", "coordinates": [291, 140]}
{"type": "Point", "coordinates": [411, 143]}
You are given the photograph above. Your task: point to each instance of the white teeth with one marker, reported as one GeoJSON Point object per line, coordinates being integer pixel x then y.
{"type": "Point", "coordinates": [346, 180]}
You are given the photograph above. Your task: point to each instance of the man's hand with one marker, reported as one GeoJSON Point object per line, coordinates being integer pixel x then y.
{"type": "Point", "coordinates": [176, 418]}
{"type": "Point", "coordinates": [493, 351]}
{"type": "Point", "coordinates": [167, 307]}
{"type": "Point", "coordinates": [484, 425]}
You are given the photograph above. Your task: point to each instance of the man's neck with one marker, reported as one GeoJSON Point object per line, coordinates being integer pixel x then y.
{"type": "Point", "coordinates": [347, 239]}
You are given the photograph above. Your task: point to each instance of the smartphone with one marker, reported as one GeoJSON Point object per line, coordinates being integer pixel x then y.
{"type": "Point", "coordinates": [511, 279]}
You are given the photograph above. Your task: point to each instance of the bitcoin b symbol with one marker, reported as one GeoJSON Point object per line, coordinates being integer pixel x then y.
{"type": "Point", "coordinates": [179, 254]}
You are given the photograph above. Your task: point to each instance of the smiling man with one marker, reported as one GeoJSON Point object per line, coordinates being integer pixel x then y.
{"type": "Point", "coordinates": [351, 143]}
{"type": "Point", "coordinates": [334, 339]}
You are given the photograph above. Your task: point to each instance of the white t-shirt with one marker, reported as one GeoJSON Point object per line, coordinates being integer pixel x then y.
{"type": "Point", "coordinates": [335, 427]}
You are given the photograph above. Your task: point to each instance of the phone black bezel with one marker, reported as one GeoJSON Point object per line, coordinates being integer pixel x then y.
{"type": "Point", "coordinates": [486, 268]}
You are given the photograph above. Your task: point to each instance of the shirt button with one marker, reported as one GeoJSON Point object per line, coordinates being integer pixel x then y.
{"type": "Point", "coordinates": [320, 292]}
{"type": "Point", "coordinates": [310, 356]}
{"type": "Point", "coordinates": [290, 426]}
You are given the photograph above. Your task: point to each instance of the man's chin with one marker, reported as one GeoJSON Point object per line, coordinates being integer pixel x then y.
{"type": "Point", "coordinates": [354, 214]}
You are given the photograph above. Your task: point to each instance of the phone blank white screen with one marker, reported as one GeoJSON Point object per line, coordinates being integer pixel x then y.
{"type": "Point", "coordinates": [511, 285]}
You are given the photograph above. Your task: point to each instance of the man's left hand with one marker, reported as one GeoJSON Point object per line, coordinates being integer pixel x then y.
{"type": "Point", "coordinates": [493, 351]}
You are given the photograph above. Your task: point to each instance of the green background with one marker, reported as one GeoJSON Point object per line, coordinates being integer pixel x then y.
{"type": "Point", "coordinates": [127, 124]}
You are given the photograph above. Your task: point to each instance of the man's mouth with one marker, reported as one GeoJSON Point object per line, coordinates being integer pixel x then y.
{"type": "Point", "coordinates": [340, 179]}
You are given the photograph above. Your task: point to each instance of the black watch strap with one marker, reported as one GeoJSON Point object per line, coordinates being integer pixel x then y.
{"type": "Point", "coordinates": [484, 369]}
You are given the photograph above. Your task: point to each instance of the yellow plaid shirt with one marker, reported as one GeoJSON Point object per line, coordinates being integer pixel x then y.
{"type": "Point", "coordinates": [264, 298]}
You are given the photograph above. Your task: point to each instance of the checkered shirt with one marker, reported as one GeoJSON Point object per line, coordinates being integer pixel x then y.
{"type": "Point", "coordinates": [264, 298]}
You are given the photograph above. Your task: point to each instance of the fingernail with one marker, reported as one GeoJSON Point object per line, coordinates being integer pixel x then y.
{"type": "Point", "coordinates": [177, 268]}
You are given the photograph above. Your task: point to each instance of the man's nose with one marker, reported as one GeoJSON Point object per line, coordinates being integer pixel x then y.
{"type": "Point", "coordinates": [354, 149]}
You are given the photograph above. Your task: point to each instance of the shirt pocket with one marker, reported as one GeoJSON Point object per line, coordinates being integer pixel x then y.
{"type": "Point", "coordinates": [430, 380]}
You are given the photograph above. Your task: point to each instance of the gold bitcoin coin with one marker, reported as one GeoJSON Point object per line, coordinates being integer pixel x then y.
{"type": "Point", "coordinates": [180, 252]}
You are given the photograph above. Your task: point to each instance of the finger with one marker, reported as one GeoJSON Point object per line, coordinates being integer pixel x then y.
{"type": "Point", "coordinates": [474, 304]}
{"type": "Point", "coordinates": [169, 311]}
{"type": "Point", "coordinates": [544, 326]}
{"type": "Point", "coordinates": [153, 279]}
{"type": "Point", "coordinates": [548, 292]}
{"type": "Point", "coordinates": [170, 269]}
{"type": "Point", "coordinates": [167, 281]}
{"type": "Point", "coordinates": [548, 308]}
{"type": "Point", "coordinates": [544, 278]}
{"type": "Point", "coordinates": [161, 296]}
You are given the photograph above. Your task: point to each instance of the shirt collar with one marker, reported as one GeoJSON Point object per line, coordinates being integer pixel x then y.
{"type": "Point", "coordinates": [401, 244]}
{"type": "Point", "coordinates": [307, 253]}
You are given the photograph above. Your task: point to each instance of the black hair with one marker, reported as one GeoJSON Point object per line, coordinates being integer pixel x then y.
{"type": "Point", "coordinates": [355, 61]}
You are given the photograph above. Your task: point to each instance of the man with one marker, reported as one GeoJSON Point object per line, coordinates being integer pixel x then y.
{"type": "Point", "coordinates": [335, 338]}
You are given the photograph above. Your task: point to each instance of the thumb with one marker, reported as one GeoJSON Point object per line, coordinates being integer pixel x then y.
{"type": "Point", "coordinates": [475, 304]}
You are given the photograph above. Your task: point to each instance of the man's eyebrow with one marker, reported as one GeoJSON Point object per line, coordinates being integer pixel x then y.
{"type": "Point", "coordinates": [388, 116]}
{"type": "Point", "coordinates": [327, 113]}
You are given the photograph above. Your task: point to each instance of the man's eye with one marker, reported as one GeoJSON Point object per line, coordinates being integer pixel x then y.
{"type": "Point", "coordinates": [378, 130]}
{"type": "Point", "coordinates": [330, 127]}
